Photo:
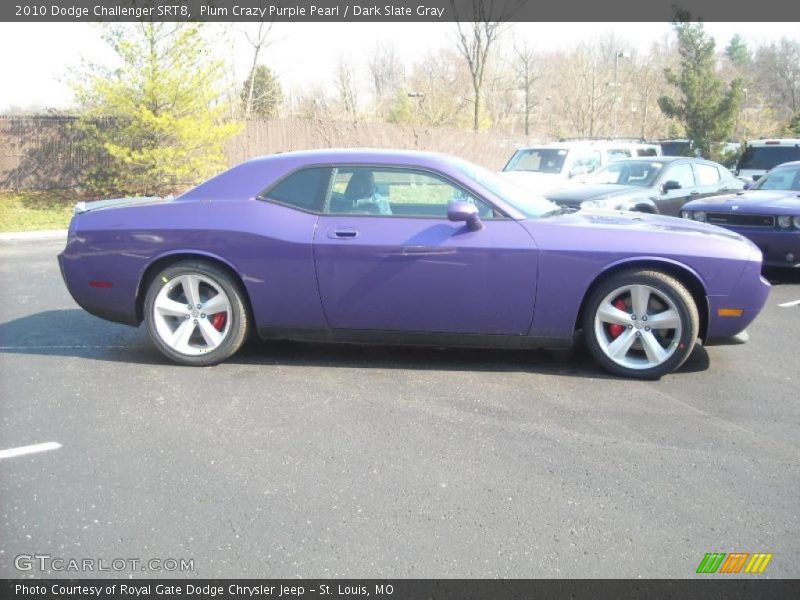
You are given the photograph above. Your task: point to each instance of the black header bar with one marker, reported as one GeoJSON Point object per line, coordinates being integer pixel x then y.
{"type": "Point", "coordinates": [337, 11]}
{"type": "Point", "coordinates": [715, 588]}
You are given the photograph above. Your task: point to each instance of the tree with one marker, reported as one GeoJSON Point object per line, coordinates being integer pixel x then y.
{"type": "Point", "coordinates": [387, 73]}
{"type": "Point", "coordinates": [793, 128]}
{"type": "Point", "coordinates": [262, 92]}
{"type": "Point", "coordinates": [737, 51]}
{"type": "Point", "coordinates": [705, 107]}
{"type": "Point", "coordinates": [524, 65]}
{"type": "Point", "coordinates": [163, 100]}
{"type": "Point", "coordinates": [442, 83]}
{"type": "Point", "coordinates": [581, 84]}
{"type": "Point", "coordinates": [348, 96]}
{"type": "Point", "coordinates": [402, 109]}
{"type": "Point", "coordinates": [778, 69]}
{"type": "Point", "coordinates": [258, 41]}
{"type": "Point", "coordinates": [474, 40]}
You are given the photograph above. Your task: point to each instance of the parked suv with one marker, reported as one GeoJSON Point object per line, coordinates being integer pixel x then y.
{"type": "Point", "coordinates": [760, 156]}
{"type": "Point", "coordinates": [540, 169]}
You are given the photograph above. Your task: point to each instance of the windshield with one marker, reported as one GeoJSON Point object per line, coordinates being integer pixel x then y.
{"type": "Point", "coordinates": [640, 173]}
{"type": "Point", "coordinates": [785, 178]}
{"type": "Point", "coordinates": [528, 204]}
{"type": "Point", "coordinates": [539, 160]}
{"type": "Point", "coordinates": [763, 158]}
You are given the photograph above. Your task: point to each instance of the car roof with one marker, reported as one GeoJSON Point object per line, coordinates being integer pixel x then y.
{"type": "Point", "coordinates": [652, 159]}
{"type": "Point", "coordinates": [353, 155]}
{"type": "Point", "coordinates": [774, 142]}
{"type": "Point", "coordinates": [571, 144]}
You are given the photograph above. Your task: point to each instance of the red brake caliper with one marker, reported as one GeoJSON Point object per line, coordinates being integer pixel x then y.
{"type": "Point", "coordinates": [218, 321]}
{"type": "Point", "coordinates": [614, 329]}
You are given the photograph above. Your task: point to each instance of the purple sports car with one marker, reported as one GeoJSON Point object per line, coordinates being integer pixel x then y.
{"type": "Point", "coordinates": [406, 248]}
{"type": "Point", "coordinates": [768, 214]}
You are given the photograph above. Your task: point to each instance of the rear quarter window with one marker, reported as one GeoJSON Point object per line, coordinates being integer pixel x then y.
{"type": "Point", "coordinates": [707, 174]}
{"type": "Point", "coordinates": [304, 189]}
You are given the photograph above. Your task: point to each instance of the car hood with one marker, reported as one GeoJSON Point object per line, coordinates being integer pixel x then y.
{"type": "Point", "coordinates": [573, 196]}
{"type": "Point", "coordinates": [770, 202]}
{"type": "Point", "coordinates": [625, 233]}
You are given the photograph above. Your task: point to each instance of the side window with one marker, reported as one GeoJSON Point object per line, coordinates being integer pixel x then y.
{"type": "Point", "coordinates": [395, 192]}
{"type": "Point", "coordinates": [617, 153]}
{"type": "Point", "coordinates": [707, 174]}
{"type": "Point", "coordinates": [586, 163]}
{"type": "Point", "coordinates": [681, 173]}
{"type": "Point", "coordinates": [304, 189]}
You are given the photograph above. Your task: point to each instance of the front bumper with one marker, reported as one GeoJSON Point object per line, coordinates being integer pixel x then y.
{"type": "Point", "coordinates": [780, 248]}
{"type": "Point", "coordinates": [749, 297]}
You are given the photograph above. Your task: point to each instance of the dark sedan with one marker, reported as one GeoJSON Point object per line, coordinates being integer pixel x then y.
{"type": "Point", "coordinates": [659, 185]}
{"type": "Point", "coordinates": [768, 214]}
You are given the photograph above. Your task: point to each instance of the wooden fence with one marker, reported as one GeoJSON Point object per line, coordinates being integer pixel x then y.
{"type": "Point", "coordinates": [44, 152]}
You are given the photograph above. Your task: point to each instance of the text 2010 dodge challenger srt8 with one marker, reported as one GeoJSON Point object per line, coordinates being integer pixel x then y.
{"type": "Point", "coordinates": [406, 247]}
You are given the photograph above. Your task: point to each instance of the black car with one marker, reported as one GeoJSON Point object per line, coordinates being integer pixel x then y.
{"type": "Point", "coordinates": [660, 185]}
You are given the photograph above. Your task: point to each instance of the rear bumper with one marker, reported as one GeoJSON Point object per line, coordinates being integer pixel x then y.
{"type": "Point", "coordinates": [115, 303]}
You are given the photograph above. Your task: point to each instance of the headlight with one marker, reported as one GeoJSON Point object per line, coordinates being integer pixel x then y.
{"type": "Point", "coordinates": [784, 222]}
{"type": "Point", "coordinates": [700, 216]}
{"type": "Point", "coordinates": [796, 222]}
{"type": "Point", "coordinates": [686, 214]}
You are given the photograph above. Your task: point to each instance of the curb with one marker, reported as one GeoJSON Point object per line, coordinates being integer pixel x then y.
{"type": "Point", "coordinates": [52, 234]}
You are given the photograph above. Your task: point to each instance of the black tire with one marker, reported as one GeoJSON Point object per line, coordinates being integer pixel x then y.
{"type": "Point", "coordinates": [664, 284]}
{"type": "Point", "coordinates": [236, 330]}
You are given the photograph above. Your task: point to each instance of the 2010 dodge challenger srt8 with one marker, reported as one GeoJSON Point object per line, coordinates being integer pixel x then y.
{"type": "Point", "coordinates": [406, 248]}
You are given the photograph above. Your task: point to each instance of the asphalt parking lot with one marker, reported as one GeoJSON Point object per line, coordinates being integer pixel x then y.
{"type": "Point", "coordinates": [333, 461]}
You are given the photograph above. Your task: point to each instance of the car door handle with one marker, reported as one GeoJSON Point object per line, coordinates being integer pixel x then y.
{"type": "Point", "coordinates": [343, 234]}
{"type": "Point", "coordinates": [694, 193]}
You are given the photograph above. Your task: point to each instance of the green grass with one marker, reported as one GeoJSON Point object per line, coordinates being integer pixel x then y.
{"type": "Point", "coordinates": [35, 210]}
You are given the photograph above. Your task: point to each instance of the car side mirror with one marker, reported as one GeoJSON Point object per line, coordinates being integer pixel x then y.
{"type": "Point", "coordinates": [748, 184]}
{"type": "Point", "coordinates": [670, 185]}
{"type": "Point", "coordinates": [461, 210]}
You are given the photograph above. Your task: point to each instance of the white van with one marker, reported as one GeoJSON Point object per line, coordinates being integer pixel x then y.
{"type": "Point", "coordinates": [760, 156]}
{"type": "Point", "coordinates": [543, 168]}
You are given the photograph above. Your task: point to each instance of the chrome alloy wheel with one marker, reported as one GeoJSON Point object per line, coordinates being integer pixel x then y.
{"type": "Point", "coordinates": [192, 314]}
{"type": "Point", "coordinates": [638, 326]}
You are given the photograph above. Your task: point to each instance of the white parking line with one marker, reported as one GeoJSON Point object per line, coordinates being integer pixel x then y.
{"type": "Point", "coordinates": [22, 450]}
{"type": "Point", "coordinates": [788, 304]}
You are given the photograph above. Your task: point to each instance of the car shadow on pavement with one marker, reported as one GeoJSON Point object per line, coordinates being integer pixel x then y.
{"type": "Point", "coordinates": [777, 276]}
{"type": "Point", "coordinates": [75, 333]}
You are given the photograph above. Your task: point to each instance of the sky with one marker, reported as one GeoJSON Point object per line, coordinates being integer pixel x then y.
{"type": "Point", "coordinates": [37, 56]}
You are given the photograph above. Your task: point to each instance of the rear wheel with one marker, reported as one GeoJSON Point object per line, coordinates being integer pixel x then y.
{"type": "Point", "coordinates": [195, 313]}
{"type": "Point", "coordinates": [641, 324]}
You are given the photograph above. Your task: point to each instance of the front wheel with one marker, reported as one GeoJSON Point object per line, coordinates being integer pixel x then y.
{"type": "Point", "coordinates": [641, 324]}
{"type": "Point", "coordinates": [195, 313]}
